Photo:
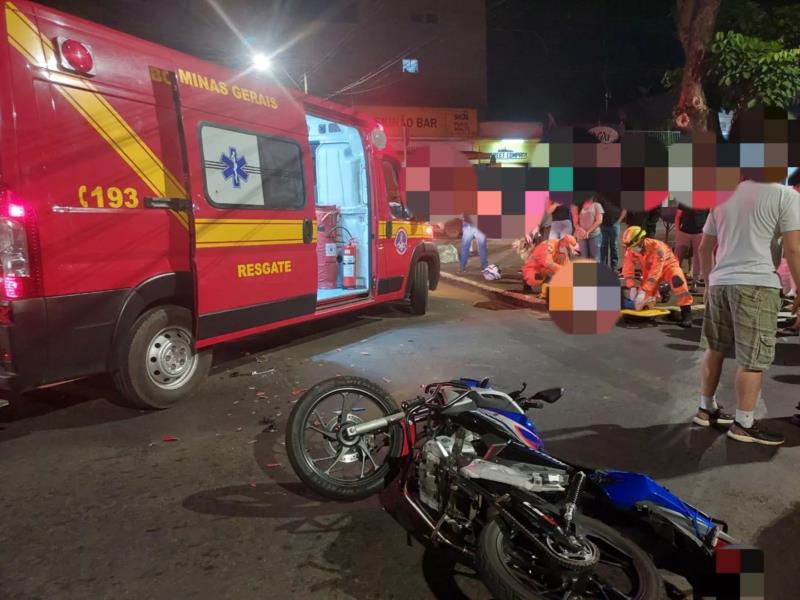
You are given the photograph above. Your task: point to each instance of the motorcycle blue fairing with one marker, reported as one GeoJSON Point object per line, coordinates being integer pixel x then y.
{"type": "Point", "coordinates": [626, 490]}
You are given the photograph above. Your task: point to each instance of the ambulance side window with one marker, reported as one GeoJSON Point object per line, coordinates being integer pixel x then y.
{"type": "Point", "coordinates": [393, 196]}
{"type": "Point", "coordinates": [248, 170]}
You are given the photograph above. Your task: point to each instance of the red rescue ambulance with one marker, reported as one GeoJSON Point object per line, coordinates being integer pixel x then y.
{"type": "Point", "coordinates": [153, 205]}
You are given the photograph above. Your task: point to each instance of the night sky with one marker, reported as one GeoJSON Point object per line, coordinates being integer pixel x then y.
{"type": "Point", "coordinates": [562, 57]}
{"type": "Point", "coordinates": [544, 56]}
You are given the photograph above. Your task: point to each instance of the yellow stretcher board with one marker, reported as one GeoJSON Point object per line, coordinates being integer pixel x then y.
{"type": "Point", "coordinates": [649, 313]}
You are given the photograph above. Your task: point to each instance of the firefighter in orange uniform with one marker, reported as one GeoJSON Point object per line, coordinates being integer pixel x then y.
{"type": "Point", "coordinates": [546, 259]}
{"type": "Point", "coordinates": [658, 265]}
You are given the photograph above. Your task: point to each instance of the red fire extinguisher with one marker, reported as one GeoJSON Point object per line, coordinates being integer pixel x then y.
{"type": "Point", "coordinates": [349, 264]}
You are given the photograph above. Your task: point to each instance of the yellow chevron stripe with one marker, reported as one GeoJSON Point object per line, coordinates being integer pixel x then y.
{"type": "Point", "coordinates": [413, 229]}
{"type": "Point", "coordinates": [38, 50]}
{"type": "Point", "coordinates": [216, 233]}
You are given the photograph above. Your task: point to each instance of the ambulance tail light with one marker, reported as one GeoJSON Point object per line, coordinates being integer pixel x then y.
{"type": "Point", "coordinates": [19, 249]}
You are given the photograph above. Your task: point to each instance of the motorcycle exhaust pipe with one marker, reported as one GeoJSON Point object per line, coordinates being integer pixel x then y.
{"type": "Point", "coordinates": [375, 424]}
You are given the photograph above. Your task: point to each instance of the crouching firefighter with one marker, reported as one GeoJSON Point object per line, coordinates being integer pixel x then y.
{"type": "Point", "coordinates": [546, 260]}
{"type": "Point", "coordinates": [658, 266]}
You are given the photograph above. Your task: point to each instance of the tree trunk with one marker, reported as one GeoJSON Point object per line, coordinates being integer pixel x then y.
{"type": "Point", "coordinates": [696, 20]}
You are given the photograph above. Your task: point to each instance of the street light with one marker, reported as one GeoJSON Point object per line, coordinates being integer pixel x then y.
{"type": "Point", "coordinates": [261, 62]}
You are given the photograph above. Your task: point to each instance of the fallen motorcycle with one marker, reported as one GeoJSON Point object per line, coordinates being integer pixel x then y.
{"type": "Point", "coordinates": [473, 468]}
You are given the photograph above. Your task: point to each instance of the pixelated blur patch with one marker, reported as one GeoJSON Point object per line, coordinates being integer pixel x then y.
{"type": "Point", "coordinates": [584, 298]}
{"type": "Point", "coordinates": [739, 574]}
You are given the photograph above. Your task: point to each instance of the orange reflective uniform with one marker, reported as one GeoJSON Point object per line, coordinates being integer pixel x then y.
{"type": "Point", "coordinates": [544, 262]}
{"type": "Point", "coordinates": [657, 264]}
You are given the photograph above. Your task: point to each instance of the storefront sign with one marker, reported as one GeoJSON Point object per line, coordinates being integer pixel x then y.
{"type": "Point", "coordinates": [507, 151]}
{"type": "Point", "coordinates": [605, 135]}
{"type": "Point", "coordinates": [425, 122]}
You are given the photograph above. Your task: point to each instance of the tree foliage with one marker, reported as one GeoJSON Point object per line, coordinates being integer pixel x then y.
{"type": "Point", "coordinates": [754, 58]}
{"type": "Point", "coordinates": [745, 71]}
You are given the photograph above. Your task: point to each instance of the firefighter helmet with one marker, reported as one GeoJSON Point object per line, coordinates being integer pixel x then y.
{"type": "Point", "coordinates": [633, 236]}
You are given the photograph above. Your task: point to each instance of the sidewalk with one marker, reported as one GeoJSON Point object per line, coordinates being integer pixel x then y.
{"type": "Point", "coordinates": [504, 256]}
{"type": "Point", "coordinates": [510, 286]}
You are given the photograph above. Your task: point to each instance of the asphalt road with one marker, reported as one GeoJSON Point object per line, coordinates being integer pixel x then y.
{"type": "Point", "coordinates": [95, 505]}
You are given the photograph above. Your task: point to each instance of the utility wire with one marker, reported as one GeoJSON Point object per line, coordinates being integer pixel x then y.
{"type": "Point", "coordinates": [388, 64]}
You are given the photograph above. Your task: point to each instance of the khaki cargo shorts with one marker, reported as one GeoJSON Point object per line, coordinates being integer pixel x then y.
{"type": "Point", "coordinates": [743, 317]}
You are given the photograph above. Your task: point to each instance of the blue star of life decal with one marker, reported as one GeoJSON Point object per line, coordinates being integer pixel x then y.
{"type": "Point", "coordinates": [234, 167]}
{"type": "Point", "coordinates": [401, 241]}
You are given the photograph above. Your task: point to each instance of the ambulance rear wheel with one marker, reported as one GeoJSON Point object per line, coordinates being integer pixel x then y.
{"type": "Point", "coordinates": [159, 367]}
{"type": "Point", "coordinates": [419, 288]}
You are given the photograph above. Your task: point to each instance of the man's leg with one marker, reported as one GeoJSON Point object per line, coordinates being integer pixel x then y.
{"type": "Point", "coordinates": [483, 252]}
{"type": "Point", "coordinates": [696, 258]}
{"type": "Point", "coordinates": [748, 388]}
{"type": "Point", "coordinates": [604, 244]}
{"type": "Point", "coordinates": [614, 243]}
{"type": "Point", "coordinates": [594, 246]}
{"type": "Point", "coordinates": [717, 338]}
{"type": "Point", "coordinates": [710, 376]}
{"type": "Point", "coordinates": [755, 311]}
{"type": "Point", "coordinates": [466, 241]}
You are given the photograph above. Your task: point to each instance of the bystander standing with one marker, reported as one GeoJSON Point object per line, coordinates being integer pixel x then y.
{"type": "Point", "coordinates": [609, 230]}
{"type": "Point", "coordinates": [688, 233]}
{"type": "Point", "coordinates": [560, 221]}
{"type": "Point", "coordinates": [587, 220]}
{"type": "Point", "coordinates": [470, 231]}
{"type": "Point", "coordinates": [742, 298]}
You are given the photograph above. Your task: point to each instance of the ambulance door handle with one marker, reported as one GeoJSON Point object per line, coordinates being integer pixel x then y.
{"type": "Point", "coordinates": [389, 228]}
{"type": "Point", "coordinates": [170, 203]}
{"type": "Point", "coordinates": [308, 231]}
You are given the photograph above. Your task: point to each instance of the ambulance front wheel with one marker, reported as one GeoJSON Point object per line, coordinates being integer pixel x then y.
{"type": "Point", "coordinates": [419, 288]}
{"type": "Point", "coordinates": [159, 367]}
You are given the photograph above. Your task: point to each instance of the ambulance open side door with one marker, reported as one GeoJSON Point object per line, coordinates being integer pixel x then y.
{"type": "Point", "coordinates": [251, 225]}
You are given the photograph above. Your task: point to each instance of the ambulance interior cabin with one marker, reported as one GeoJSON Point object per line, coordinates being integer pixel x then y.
{"type": "Point", "coordinates": [342, 204]}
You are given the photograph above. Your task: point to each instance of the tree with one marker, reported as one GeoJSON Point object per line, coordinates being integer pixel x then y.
{"type": "Point", "coordinates": [754, 57]}
{"type": "Point", "coordinates": [696, 21]}
{"type": "Point", "coordinates": [745, 71]}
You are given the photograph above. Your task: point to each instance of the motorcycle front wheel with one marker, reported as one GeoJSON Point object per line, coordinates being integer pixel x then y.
{"type": "Point", "coordinates": [512, 571]}
{"type": "Point", "coordinates": [331, 468]}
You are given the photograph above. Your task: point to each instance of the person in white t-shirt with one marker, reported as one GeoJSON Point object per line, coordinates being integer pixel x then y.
{"type": "Point", "coordinates": [742, 297]}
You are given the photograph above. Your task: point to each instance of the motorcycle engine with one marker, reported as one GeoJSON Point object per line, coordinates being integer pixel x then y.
{"type": "Point", "coordinates": [435, 454]}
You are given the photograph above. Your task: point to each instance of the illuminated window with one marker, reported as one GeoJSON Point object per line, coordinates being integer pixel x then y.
{"type": "Point", "coordinates": [410, 65]}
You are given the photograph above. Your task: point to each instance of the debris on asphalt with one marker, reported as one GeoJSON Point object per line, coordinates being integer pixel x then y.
{"type": "Point", "coordinates": [297, 391]}
{"type": "Point", "coordinates": [236, 402]}
{"type": "Point", "coordinates": [364, 353]}
{"type": "Point", "coordinates": [252, 387]}
{"type": "Point", "coordinates": [168, 438]}
{"type": "Point", "coordinates": [269, 424]}
{"type": "Point", "coordinates": [261, 394]}
{"type": "Point", "coordinates": [273, 465]}
{"type": "Point", "coordinates": [261, 359]}
{"type": "Point", "coordinates": [239, 428]}
{"type": "Point", "coordinates": [252, 441]}
{"type": "Point", "coordinates": [387, 380]}
{"type": "Point", "coordinates": [233, 374]}
{"type": "Point", "coordinates": [267, 372]}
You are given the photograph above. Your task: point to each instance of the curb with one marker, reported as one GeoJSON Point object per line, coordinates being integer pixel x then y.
{"type": "Point", "coordinates": [517, 298]}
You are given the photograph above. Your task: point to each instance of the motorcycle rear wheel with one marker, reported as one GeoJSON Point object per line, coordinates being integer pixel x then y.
{"type": "Point", "coordinates": [324, 474]}
{"type": "Point", "coordinates": [508, 581]}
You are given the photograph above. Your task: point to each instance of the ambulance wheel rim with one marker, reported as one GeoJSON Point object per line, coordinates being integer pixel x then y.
{"type": "Point", "coordinates": [170, 358]}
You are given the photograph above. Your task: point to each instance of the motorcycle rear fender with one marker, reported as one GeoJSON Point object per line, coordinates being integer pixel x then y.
{"type": "Point", "coordinates": [628, 491]}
